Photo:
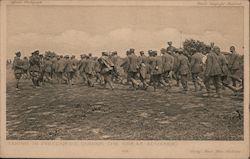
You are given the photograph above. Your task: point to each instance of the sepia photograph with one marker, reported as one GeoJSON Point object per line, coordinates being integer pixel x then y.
{"type": "Point", "coordinates": [128, 70]}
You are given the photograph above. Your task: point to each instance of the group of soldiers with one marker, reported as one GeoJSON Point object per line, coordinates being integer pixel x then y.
{"type": "Point", "coordinates": [157, 70]}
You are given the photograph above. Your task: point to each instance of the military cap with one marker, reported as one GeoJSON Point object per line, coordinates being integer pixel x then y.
{"type": "Point", "coordinates": [18, 53]}
{"type": "Point", "coordinates": [180, 50]}
{"type": "Point", "coordinates": [36, 52]}
{"type": "Point", "coordinates": [169, 42]}
{"type": "Point", "coordinates": [105, 54]}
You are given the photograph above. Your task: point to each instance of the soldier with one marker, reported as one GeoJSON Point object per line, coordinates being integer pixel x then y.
{"type": "Point", "coordinates": [107, 67]}
{"type": "Point", "coordinates": [75, 63]}
{"type": "Point", "coordinates": [81, 68]}
{"type": "Point", "coordinates": [41, 78]}
{"type": "Point", "coordinates": [35, 70]}
{"type": "Point", "coordinates": [143, 69]}
{"type": "Point", "coordinates": [183, 69]}
{"type": "Point", "coordinates": [26, 66]}
{"type": "Point", "coordinates": [168, 62]}
{"type": "Point", "coordinates": [69, 72]}
{"type": "Point", "coordinates": [156, 70]}
{"type": "Point", "coordinates": [234, 65]}
{"type": "Point", "coordinates": [99, 77]}
{"type": "Point", "coordinates": [60, 70]}
{"type": "Point", "coordinates": [175, 66]}
{"type": "Point", "coordinates": [17, 67]}
{"type": "Point", "coordinates": [223, 65]}
{"type": "Point", "coordinates": [54, 60]}
{"type": "Point", "coordinates": [196, 68]}
{"type": "Point", "coordinates": [47, 68]}
{"type": "Point", "coordinates": [170, 48]}
{"type": "Point", "coordinates": [212, 72]}
{"type": "Point", "coordinates": [115, 60]}
{"type": "Point", "coordinates": [90, 70]}
{"type": "Point", "coordinates": [124, 65]}
{"type": "Point", "coordinates": [133, 66]}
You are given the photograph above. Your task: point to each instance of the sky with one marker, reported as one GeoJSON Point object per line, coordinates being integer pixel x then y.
{"type": "Point", "coordinates": [84, 29]}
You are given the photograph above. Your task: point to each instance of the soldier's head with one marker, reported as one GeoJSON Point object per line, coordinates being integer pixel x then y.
{"type": "Point", "coordinates": [114, 53]}
{"type": "Point", "coordinates": [141, 53]}
{"type": "Point", "coordinates": [66, 56]}
{"type": "Point", "coordinates": [18, 54]}
{"type": "Point", "coordinates": [132, 50]}
{"type": "Point", "coordinates": [61, 56]}
{"type": "Point", "coordinates": [150, 53]}
{"type": "Point", "coordinates": [90, 55]}
{"type": "Point", "coordinates": [154, 53]}
{"type": "Point", "coordinates": [180, 51]}
{"type": "Point", "coordinates": [232, 49]}
{"type": "Point", "coordinates": [163, 50]}
{"type": "Point", "coordinates": [73, 57]}
{"type": "Point", "coordinates": [170, 43]}
{"type": "Point", "coordinates": [216, 49]}
{"type": "Point", "coordinates": [105, 53]}
{"type": "Point", "coordinates": [36, 53]}
{"type": "Point", "coordinates": [25, 57]}
{"type": "Point", "coordinates": [41, 56]}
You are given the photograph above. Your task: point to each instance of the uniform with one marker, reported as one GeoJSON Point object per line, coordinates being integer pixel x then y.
{"type": "Point", "coordinates": [90, 71]}
{"type": "Point", "coordinates": [61, 70]}
{"type": "Point", "coordinates": [224, 67]}
{"type": "Point", "coordinates": [18, 69]}
{"type": "Point", "coordinates": [35, 70]}
{"type": "Point", "coordinates": [107, 67]}
{"type": "Point", "coordinates": [234, 67]}
{"type": "Point", "coordinates": [168, 63]}
{"type": "Point", "coordinates": [26, 66]}
{"type": "Point", "coordinates": [212, 72]}
{"type": "Point", "coordinates": [184, 70]}
{"type": "Point", "coordinates": [81, 68]}
{"type": "Point", "coordinates": [47, 69]}
{"type": "Point", "coordinates": [175, 68]}
{"type": "Point", "coordinates": [69, 71]}
{"type": "Point", "coordinates": [133, 67]}
{"type": "Point", "coordinates": [196, 68]}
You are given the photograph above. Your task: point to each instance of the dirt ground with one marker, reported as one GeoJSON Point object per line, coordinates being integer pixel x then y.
{"type": "Point", "coordinates": [61, 112]}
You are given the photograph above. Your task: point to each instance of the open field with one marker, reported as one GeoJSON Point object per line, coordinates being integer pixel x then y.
{"type": "Point", "coordinates": [61, 112]}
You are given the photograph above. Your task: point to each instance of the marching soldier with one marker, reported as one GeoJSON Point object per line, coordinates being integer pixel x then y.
{"type": "Point", "coordinates": [124, 65]}
{"type": "Point", "coordinates": [234, 65]}
{"type": "Point", "coordinates": [212, 72]}
{"type": "Point", "coordinates": [133, 66]}
{"type": "Point", "coordinates": [18, 68]}
{"type": "Point", "coordinates": [60, 70]}
{"type": "Point", "coordinates": [196, 68]}
{"type": "Point", "coordinates": [175, 66]}
{"type": "Point", "coordinates": [156, 70]}
{"type": "Point", "coordinates": [26, 65]}
{"type": "Point", "coordinates": [167, 61]}
{"type": "Point", "coordinates": [223, 65]}
{"type": "Point", "coordinates": [35, 70]}
{"type": "Point", "coordinates": [81, 68]}
{"type": "Point", "coordinates": [143, 69]}
{"type": "Point", "coordinates": [47, 68]}
{"type": "Point", "coordinates": [69, 72]}
{"type": "Point", "coordinates": [75, 63]}
{"type": "Point", "coordinates": [107, 67]}
{"type": "Point", "coordinates": [90, 70]}
{"type": "Point", "coordinates": [183, 69]}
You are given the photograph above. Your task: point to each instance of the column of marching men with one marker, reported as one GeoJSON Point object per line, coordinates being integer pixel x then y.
{"type": "Point", "coordinates": [158, 69]}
